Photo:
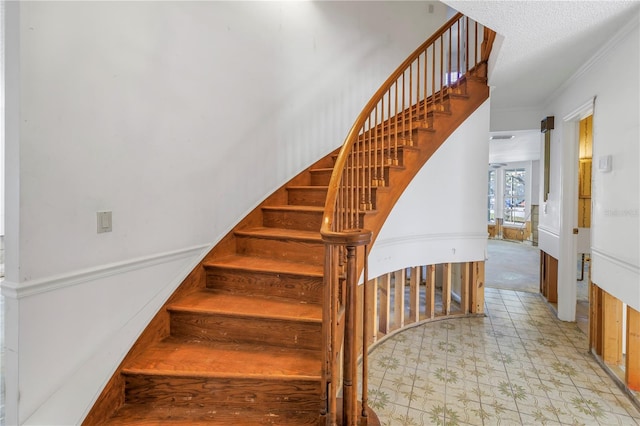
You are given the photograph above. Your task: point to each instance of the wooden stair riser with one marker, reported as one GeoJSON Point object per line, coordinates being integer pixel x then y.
{"type": "Point", "coordinates": [265, 284]}
{"type": "Point", "coordinates": [223, 393]}
{"type": "Point", "coordinates": [321, 177]}
{"type": "Point", "coordinates": [290, 250]}
{"type": "Point", "coordinates": [307, 196]}
{"type": "Point", "coordinates": [293, 219]}
{"type": "Point", "coordinates": [215, 327]}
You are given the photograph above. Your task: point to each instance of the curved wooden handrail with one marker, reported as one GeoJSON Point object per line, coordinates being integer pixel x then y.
{"type": "Point", "coordinates": [352, 136]}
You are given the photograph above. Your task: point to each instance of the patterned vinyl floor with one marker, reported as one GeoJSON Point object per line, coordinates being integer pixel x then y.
{"type": "Point", "coordinates": [519, 365]}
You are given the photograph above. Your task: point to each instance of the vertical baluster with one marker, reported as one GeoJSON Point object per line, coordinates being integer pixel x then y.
{"type": "Point", "coordinates": [380, 143]}
{"type": "Point", "coordinates": [424, 84]}
{"type": "Point", "coordinates": [404, 111]}
{"type": "Point", "coordinates": [375, 148]}
{"type": "Point", "coordinates": [475, 46]}
{"type": "Point", "coordinates": [466, 47]}
{"type": "Point", "coordinates": [338, 215]}
{"type": "Point", "coordinates": [458, 54]}
{"type": "Point", "coordinates": [370, 164]}
{"type": "Point", "coordinates": [356, 189]}
{"type": "Point", "coordinates": [353, 206]}
{"type": "Point", "coordinates": [418, 86]}
{"type": "Point", "coordinates": [361, 167]}
{"type": "Point", "coordinates": [433, 77]}
{"type": "Point", "coordinates": [440, 107]}
{"type": "Point", "coordinates": [383, 159]}
{"type": "Point", "coordinates": [449, 55]}
{"type": "Point", "coordinates": [395, 126]}
{"type": "Point", "coordinates": [365, 336]}
{"type": "Point", "coordinates": [410, 102]}
{"type": "Point", "coordinates": [366, 165]}
{"type": "Point", "coordinates": [388, 131]}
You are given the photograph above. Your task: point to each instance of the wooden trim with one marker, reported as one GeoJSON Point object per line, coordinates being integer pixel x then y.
{"type": "Point", "coordinates": [477, 293]}
{"type": "Point", "coordinates": [372, 311]}
{"type": "Point", "coordinates": [398, 298]}
{"type": "Point", "coordinates": [595, 318]}
{"type": "Point", "coordinates": [414, 294]}
{"type": "Point", "coordinates": [447, 270]}
{"type": "Point", "coordinates": [549, 277]}
{"type": "Point", "coordinates": [632, 365]}
{"type": "Point", "coordinates": [612, 330]}
{"type": "Point", "coordinates": [465, 287]}
{"type": "Point", "coordinates": [430, 296]}
{"type": "Point", "coordinates": [384, 285]}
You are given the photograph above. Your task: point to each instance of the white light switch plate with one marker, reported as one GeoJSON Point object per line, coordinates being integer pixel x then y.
{"type": "Point", "coordinates": [104, 222]}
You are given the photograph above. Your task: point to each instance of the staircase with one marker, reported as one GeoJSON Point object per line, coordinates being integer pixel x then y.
{"type": "Point", "coordinates": [240, 341]}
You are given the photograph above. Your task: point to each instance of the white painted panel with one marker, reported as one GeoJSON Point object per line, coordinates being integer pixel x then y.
{"type": "Point", "coordinates": [549, 241]}
{"type": "Point", "coordinates": [615, 277]}
{"type": "Point", "coordinates": [583, 240]}
{"type": "Point", "coordinates": [441, 216]}
{"type": "Point", "coordinates": [615, 225]}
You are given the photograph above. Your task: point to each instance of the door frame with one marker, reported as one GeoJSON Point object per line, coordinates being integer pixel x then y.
{"type": "Point", "coordinates": [567, 290]}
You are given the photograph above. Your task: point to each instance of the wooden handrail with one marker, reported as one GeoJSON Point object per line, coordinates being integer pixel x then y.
{"type": "Point", "coordinates": [406, 101]}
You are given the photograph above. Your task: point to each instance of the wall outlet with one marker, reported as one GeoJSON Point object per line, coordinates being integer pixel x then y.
{"type": "Point", "coordinates": [104, 222]}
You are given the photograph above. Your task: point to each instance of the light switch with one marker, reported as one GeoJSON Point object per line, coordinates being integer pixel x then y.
{"type": "Point", "coordinates": [104, 222]}
{"type": "Point", "coordinates": [604, 164]}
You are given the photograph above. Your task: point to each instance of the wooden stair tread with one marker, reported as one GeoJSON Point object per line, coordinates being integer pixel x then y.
{"type": "Point", "coordinates": [318, 187]}
{"type": "Point", "coordinates": [157, 415]}
{"type": "Point", "coordinates": [210, 301]}
{"type": "Point", "coordinates": [281, 233]}
{"type": "Point", "coordinates": [265, 265]}
{"type": "Point", "coordinates": [180, 358]}
{"type": "Point", "coordinates": [291, 207]}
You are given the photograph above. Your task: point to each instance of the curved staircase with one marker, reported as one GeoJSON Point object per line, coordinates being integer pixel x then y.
{"type": "Point", "coordinates": [240, 341]}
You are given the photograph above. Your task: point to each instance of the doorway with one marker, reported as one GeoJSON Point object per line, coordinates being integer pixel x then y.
{"type": "Point", "coordinates": [583, 245]}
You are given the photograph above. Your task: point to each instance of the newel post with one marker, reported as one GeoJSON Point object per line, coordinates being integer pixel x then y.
{"type": "Point", "coordinates": [340, 325]}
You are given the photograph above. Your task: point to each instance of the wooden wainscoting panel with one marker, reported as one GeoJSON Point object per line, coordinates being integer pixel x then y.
{"type": "Point", "coordinates": [430, 306]}
{"type": "Point", "coordinates": [447, 271]}
{"type": "Point", "coordinates": [477, 288]}
{"type": "Point", "coordinates": [372, 310]}
{"type": "Point", "coordinates": [400, 278]}
{"type": "Point", "coordinates": [384, 287]}
{"type": "Point", "coordinates": [632, 365]}
{"type": "Point", "coordinates": [414, 295]}
{"type": "Point", "coordinates": [612, 330]}
{"type": "Point", "coordinates": [465, 286]}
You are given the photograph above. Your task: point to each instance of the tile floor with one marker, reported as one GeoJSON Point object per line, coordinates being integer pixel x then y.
{"type": "Point", "coordinates": [519, 365]}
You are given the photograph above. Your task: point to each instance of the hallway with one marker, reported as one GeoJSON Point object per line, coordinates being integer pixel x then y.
{"type": "Point", "coordinates": [517, 365]}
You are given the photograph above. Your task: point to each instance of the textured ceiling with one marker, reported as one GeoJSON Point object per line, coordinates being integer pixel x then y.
{"type": "Point", "coordinates": [545, 42]}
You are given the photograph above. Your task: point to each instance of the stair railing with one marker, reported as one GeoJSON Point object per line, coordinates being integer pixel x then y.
{"type": "Point", "coordinates": [407, 100]}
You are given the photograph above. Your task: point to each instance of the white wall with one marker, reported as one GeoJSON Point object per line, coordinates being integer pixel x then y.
{"type": "Point", "coordinates": [179, 117]}
{"type": "Point", "coordinates": [611, 77]}
{"type": "Point", "coordinates": [441, 216]}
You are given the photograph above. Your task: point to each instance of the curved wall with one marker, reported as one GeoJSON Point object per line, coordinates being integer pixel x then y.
{"type": "Point", "coordinates": [441, 216]}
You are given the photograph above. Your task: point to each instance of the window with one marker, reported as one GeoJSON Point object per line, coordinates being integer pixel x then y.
{"type": "Point", "coordinates": [514, 187]}
{"type": "Point", "coordinates": [491, 197]}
